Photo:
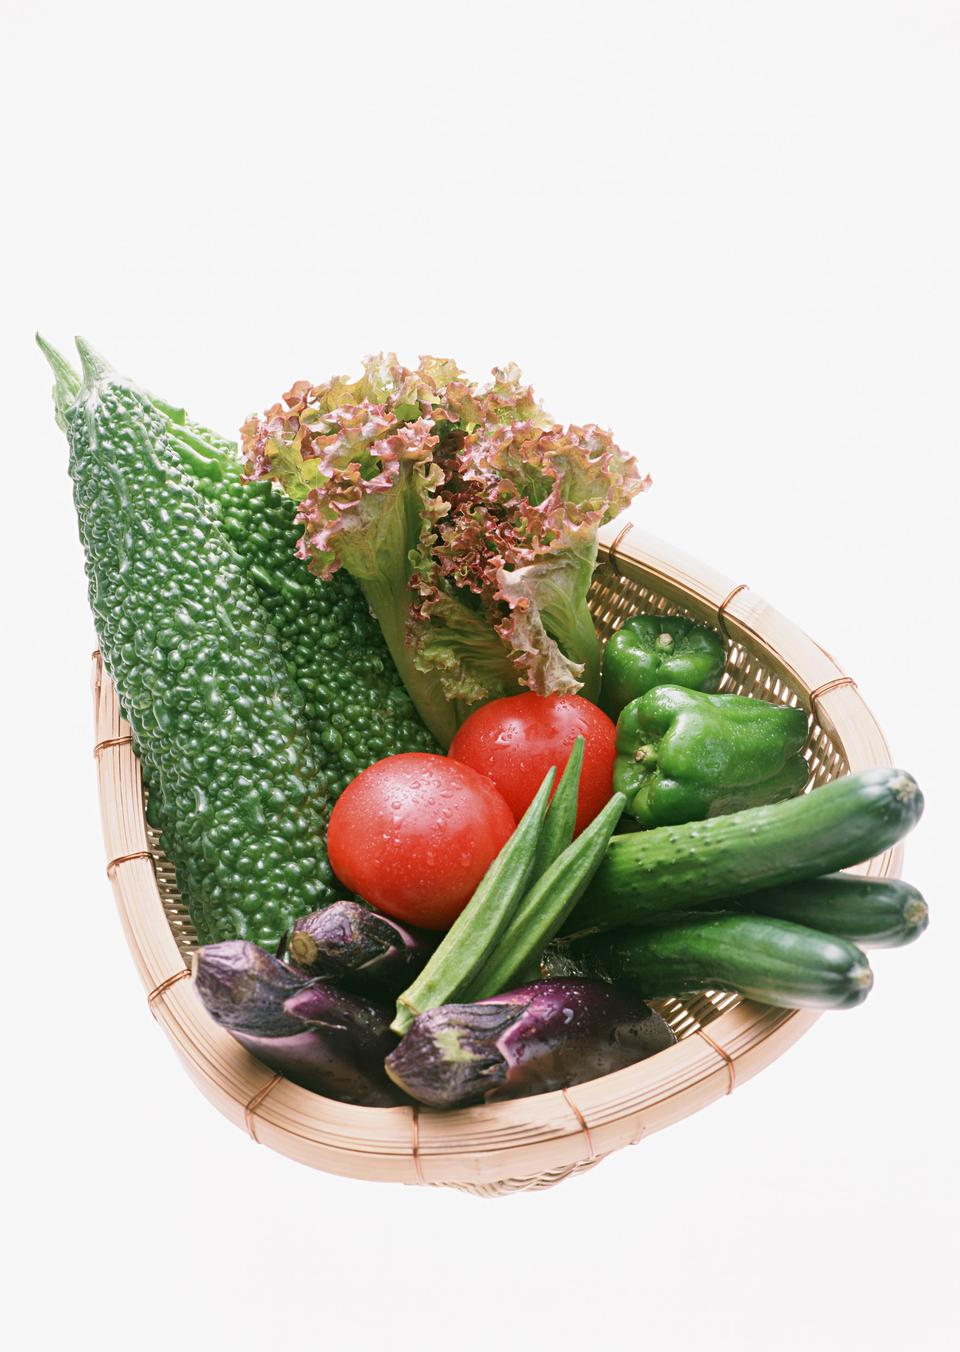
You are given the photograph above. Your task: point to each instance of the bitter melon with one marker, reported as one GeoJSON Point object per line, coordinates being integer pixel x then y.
{"type": "Point", "coordinates": [235, 786]}
{"type": "Point", "coordinates": [356, 708]}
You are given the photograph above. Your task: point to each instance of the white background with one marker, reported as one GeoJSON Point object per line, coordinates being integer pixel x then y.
{"type": "Point", "coordinates": [729, 232]}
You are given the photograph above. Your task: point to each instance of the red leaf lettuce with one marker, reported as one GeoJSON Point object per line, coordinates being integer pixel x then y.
{"type": "Point", "coordinates": [467, 516]}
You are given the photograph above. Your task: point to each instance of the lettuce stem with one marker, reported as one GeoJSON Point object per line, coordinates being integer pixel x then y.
{"type": "Point", "coordinates": [578, 639]}
{"type": "Point", "coordinates": [391, 605]}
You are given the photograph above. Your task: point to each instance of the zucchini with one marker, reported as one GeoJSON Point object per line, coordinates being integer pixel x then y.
{"type": "Point", "coordinates": [871, 912]}
{"type": "Point", "coordinates": [773, 961]}
{"type": "Point", "coordinates": [679, 868]}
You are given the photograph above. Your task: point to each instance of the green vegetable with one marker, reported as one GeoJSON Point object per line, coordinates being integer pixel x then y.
{"type": "Point", "coordinates": [355, 707]}
{"type": "Point", "coordinates": [682, 867]}
{"type": "Point", "coordinates": [234, 785]}
{"type": "Point", "coordinates": [773, 961]}
{"type": "Point", "coordinates": [481, 923]}
{"type": "Point", "coordinates": [683, 756]}
{"type": "Point", "coordinates": [66, 384]}
{"type": "Point", "coordinates": [561, 815]}
{"type": "Point", "coordinates": [555, 836]}
{"type": "Point", "coordinates": [871, 912]}
{"type": "Point", "coordinates": [546, 905]}
{"type": "Point", "coordinates": [468, 518]}
{"type": "Point", "coordinates": [651, 650]}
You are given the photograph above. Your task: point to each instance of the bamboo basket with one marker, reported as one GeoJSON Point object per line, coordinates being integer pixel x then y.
{"type": "Point", "coordinates": [535, 1142]}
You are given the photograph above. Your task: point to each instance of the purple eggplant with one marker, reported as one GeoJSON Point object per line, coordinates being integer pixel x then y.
{"type": "Point", "coordinates": [353, 945]}
{"type": "Point", "coordinates": [339, 1050]}
{"type": "Point", "coordinates": [544, 1036]}
{"type": "Point", "coordinates": [317, 1036]}
{"type": "Point", "coordinates": [355, 1033]}
{"type": "Point", "coordinates": [244, 988]}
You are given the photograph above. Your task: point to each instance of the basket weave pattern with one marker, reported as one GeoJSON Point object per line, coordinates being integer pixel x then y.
{"type": "Point", "coordinates": [530, 1143]}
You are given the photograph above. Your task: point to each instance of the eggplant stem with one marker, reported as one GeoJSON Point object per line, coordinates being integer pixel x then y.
{"type": "Point", "coordinates": [303, 947]}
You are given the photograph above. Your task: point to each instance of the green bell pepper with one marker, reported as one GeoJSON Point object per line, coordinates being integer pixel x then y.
{"type": "Point", "coordinates": [653, 650]}
{"type": "Point", "coordinates": [683, 755]}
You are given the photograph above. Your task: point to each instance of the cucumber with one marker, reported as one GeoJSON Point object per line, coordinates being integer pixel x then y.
{"type": "Point", "coordinates": [773, 961]}
{"type": "Point", "coordinates": [679, 868]}
{"type": "Point", "coordinates": [871, 912]}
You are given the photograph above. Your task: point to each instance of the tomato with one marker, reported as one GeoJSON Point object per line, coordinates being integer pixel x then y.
{"type": "Point", "coordinates": [414, 834]}
{"type": "Point", "coordinates": [515, 741]}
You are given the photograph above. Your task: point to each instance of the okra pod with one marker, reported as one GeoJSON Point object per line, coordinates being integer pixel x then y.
{"type": "Point", "coordinates": [546, 905]}
{"type": "Point", "coordinates": [561, 815]}
{"type": "Point", "coordinates": [480, 924]}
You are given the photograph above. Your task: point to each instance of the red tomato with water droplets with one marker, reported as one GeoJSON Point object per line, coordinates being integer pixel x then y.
{"type": "Point", "coordinates": [414, 834]}
{"type": "Point", "coordinates": [515, 740]}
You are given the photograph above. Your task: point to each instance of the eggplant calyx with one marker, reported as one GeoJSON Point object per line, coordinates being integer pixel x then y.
{"type": "Point", "coordinates": [302, 948]}
{"type": "Point", "coordinates": [243, 988]}
{"type": "Point", "coordinates": [334, 1011]}
{"type": "Point", "coordinates": [342, 938]}
{"type": "Point", "coordinates": [451, 1055]}
{"type": "Point", "coordinates": [319, 1006]}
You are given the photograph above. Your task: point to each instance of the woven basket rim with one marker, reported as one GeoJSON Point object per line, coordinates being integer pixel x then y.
{"type": "Point", "coordinates": [534, 1140]}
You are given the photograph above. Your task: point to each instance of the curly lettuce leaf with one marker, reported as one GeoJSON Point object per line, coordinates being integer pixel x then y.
{"type": "Point", "coordinates": [526, 503]}
{"type": "Point", "coordinates": [460, 643]}
{"type": "Point", "coordinates": [548, 623]}
{"type": "Point", "coordinates": [468, 516]}
{"type": "Point", "coordinates": [372, 497]}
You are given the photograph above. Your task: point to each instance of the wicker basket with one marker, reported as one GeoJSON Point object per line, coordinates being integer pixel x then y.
{"type": "Point", "coordinates": [534, 1142]}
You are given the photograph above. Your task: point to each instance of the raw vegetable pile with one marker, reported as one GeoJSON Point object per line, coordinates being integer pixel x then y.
{"type": "Point", "coordinates": [397, 567]}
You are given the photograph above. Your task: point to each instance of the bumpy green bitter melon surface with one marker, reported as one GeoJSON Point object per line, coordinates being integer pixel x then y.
{"type": "Point", "coordinates": [236, 788]}
{"type": "Point", "coordinates": [355, 705]}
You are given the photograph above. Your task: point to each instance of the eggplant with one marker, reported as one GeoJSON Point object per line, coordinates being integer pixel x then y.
{"type": "Point", "coordinates": [354, 945]}
{"type": "Point", "coordinates": [244, 988]}
{"type": "Point", "coordinates": [540, 1037]}
{"type": "Point", "coordinates": [313, 1034]}
{"type": "Point", "coordinates": [339, 1050]}
{"type": "Point", "coordinates": [355, 1036]}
